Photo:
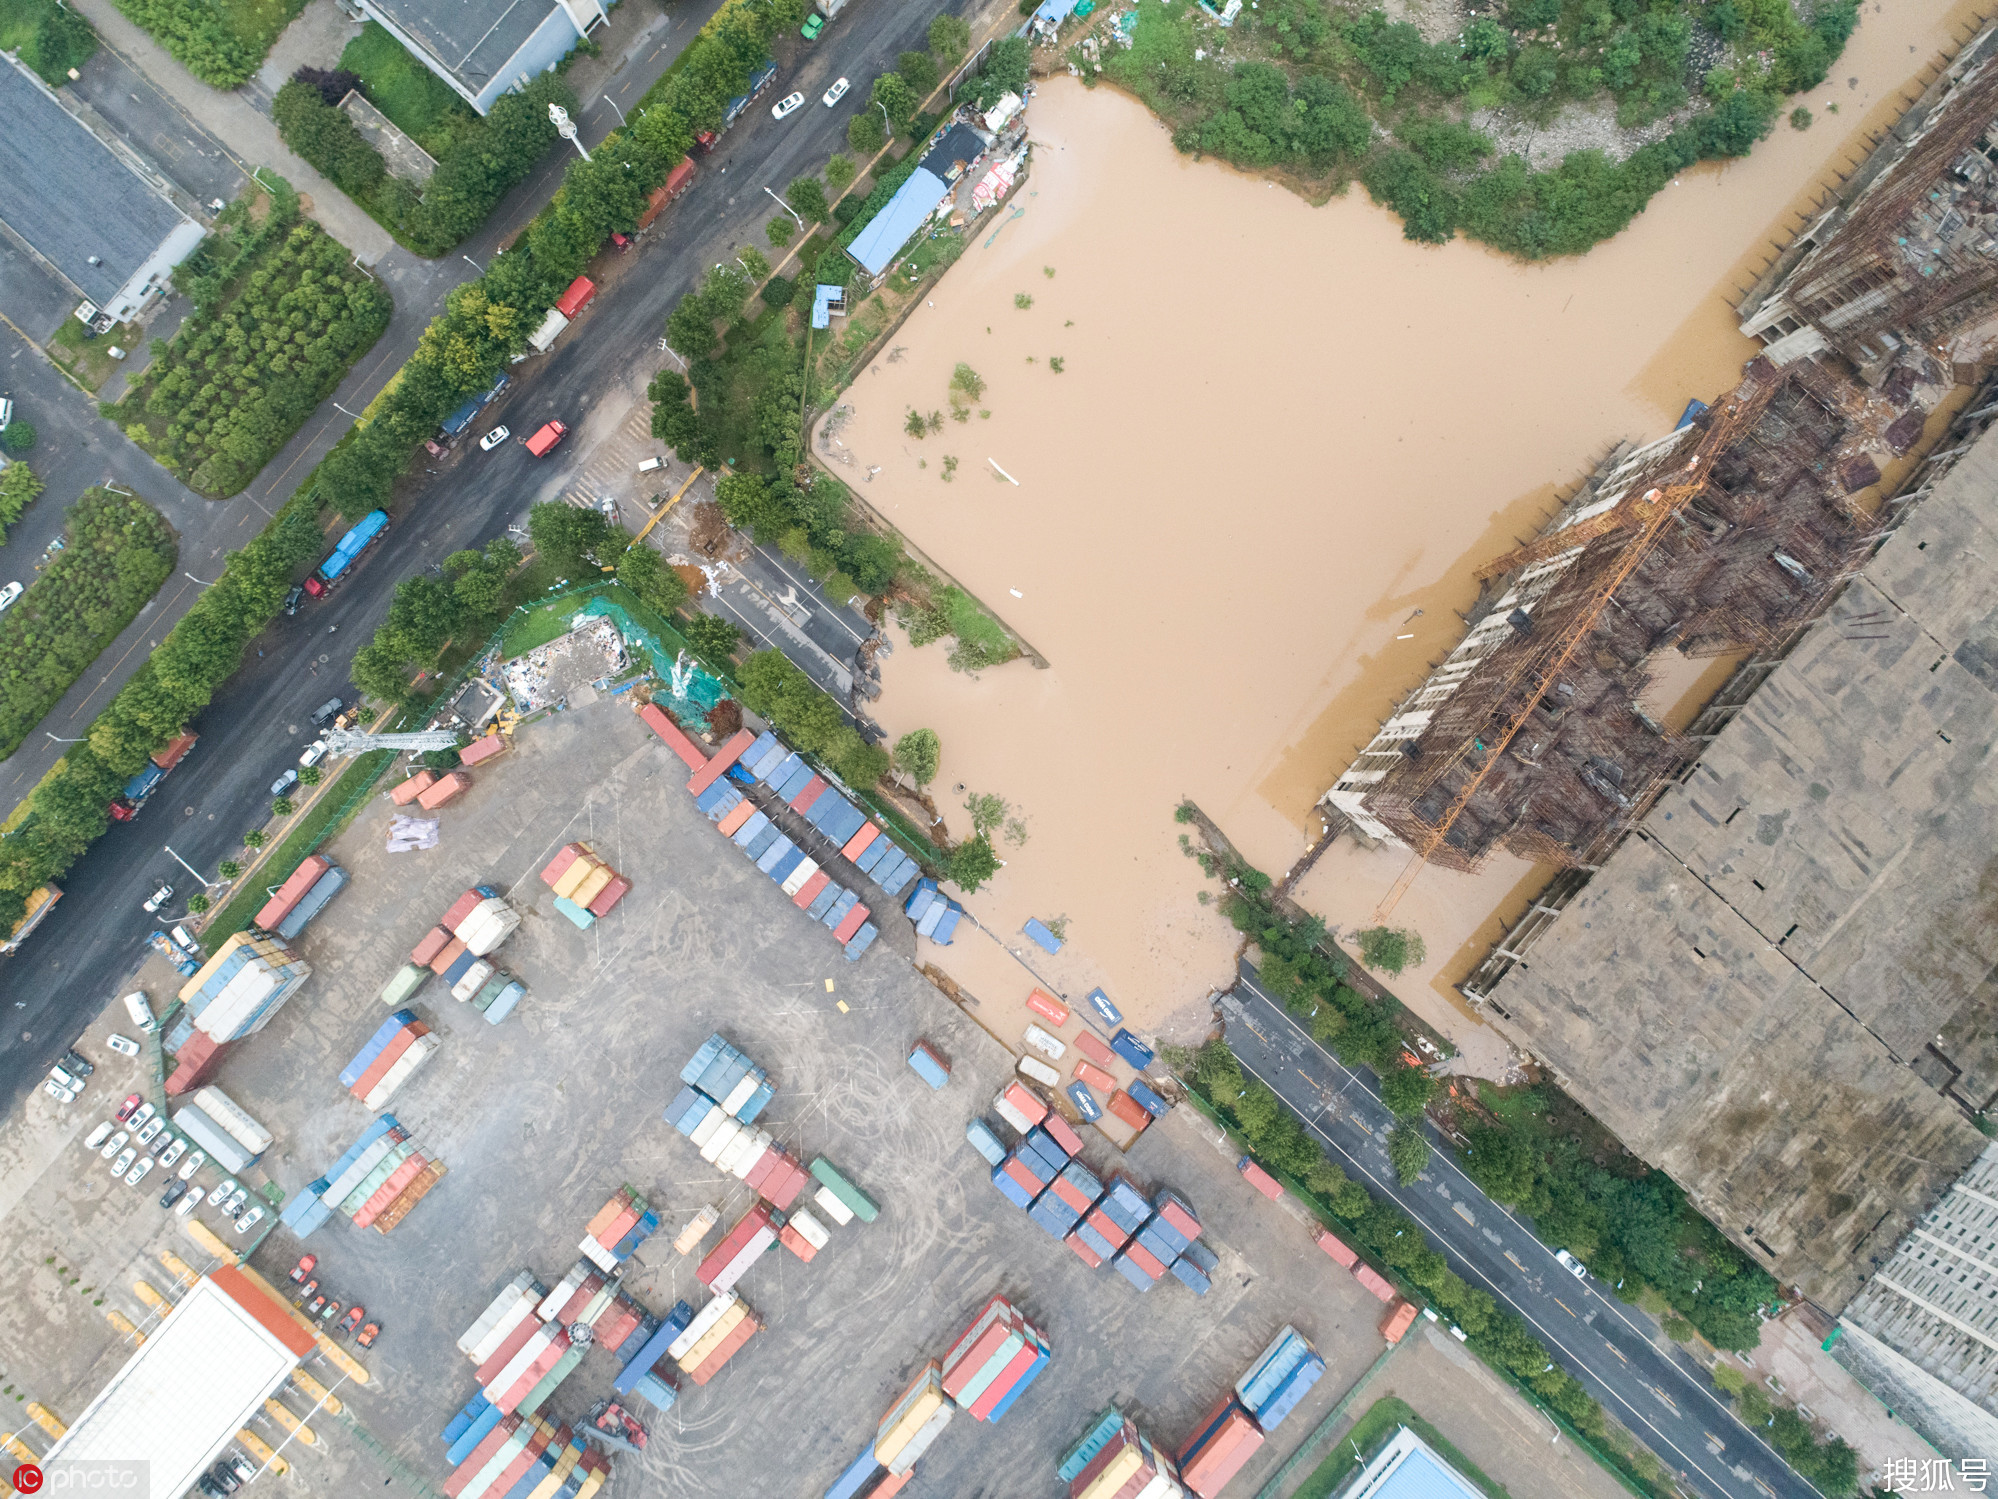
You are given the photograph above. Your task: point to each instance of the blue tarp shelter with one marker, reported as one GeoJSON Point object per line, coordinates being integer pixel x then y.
{"type": "Point", "coordinates": [875, 246]}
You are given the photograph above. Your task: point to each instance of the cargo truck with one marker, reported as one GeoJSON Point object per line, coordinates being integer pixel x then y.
{"type": "Point", "coordinates": [543, 441]}
{"type": "Point", "coordinates": [372, 527]}
{"type": "Point", "coordinates": [677, 182]}
{"type": "Point", "coordinates": [125, 806]}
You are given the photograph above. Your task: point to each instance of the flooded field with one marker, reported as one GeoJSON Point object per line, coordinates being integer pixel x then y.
{"type": "Point", "coordinates": [1241, 514]}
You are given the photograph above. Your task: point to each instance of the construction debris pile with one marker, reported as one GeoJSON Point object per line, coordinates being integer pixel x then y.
{"type": "Point", "coordinates": [592, 651]}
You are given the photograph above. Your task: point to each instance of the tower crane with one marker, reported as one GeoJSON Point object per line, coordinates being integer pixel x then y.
{"type": "Point", "coordinates": [359, 741]}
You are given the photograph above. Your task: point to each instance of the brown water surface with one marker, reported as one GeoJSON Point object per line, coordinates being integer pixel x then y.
{"type": "Point", "coordinates": [1248, 507]}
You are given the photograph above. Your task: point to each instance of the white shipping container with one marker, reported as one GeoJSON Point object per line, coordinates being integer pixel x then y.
{"type": "Point", "coordinates": [521, 1309]}
{"type": "Point", "coordinates": [741, 1093]}
{"type": "Point", "coordinates": [747, 1164]}
{"type": "Point", "coordinates": [809, 1228]}
{"type": "Point", "coordinates": [704, 1319]}
{"type": "Point", "coordinates": [730, 1155]}
{"type": "Point", "coordinates": [1051, 1047]}
{"type": "Point", "coordinates": [1011, 1115]}
{"type": "Point", "coordinates": [226, 1112]}
{"type": "Point", "coordinates": [750, 1145]}
{"type": "Point", "coordinates": [705, 1130]}
{"type": "Point", "coordinates": [745, 1258]}
{"type": "Point", "coordinates": [495, 1309]}
{"type": "Point", "coordinates": [836, 1210]}
{"type": "Point", "coordinates": [918, 1444]}
{"type": "Point", "coordinates": [488, 911]}
{"type": "Point", "coordinates": [1039, 1071]}
{"type": "Point", "coordinates": [355, 1174]}
{"type": "Point", "coordinates": [238, 1000]}
{"type": "Point", "coordinates": [404, 1069]}
{"type": "Point", "coordinates": [799, 877]}
{"type": "Point", "coordinates": [532, 1349]}
{"type": "Point", "coordinates": [473, 981]}
{"type": "Point", "coordinates": [1161, 1487]}
{"type": "Point", "coordinates": [559, 1297]}
{"type": "Point", "coordinates": [597, 1255]}
{"type": "Point", "coordinates": [723, 1137]}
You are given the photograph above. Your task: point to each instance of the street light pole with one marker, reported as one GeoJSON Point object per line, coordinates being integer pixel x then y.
{"type": "Point", "coordinates": [787, 208]}
{"type": "Point", "coordinates": [614, 105]}
{"type": "Point", "coordinates": [473, 264]}
{"type": "Point", "coordinates": [206, 882]}
{"type": "Point", "coordinates": [344, 411]}
{"type": "Point", "coordinates": [566, 128]}
{"type": "Point", "coordinates": [192, 579]}
{"type": "Point", "coordinates": [60, 740]}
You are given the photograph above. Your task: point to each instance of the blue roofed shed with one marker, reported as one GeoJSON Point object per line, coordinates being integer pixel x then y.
{"type": "Point", "coordinates": [828, 302]}
{"type": "Point", "coordinates": [876, 245]}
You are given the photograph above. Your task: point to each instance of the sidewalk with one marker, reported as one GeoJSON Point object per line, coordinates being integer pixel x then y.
{"type": "Point", "coordinates": [247, 134]}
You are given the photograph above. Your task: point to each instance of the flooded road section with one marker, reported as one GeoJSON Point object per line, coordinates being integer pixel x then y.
{"type": "Point", "coordinates": [1249, 502]}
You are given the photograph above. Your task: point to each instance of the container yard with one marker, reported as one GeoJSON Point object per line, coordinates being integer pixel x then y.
{"type": "Point", "coordinates": [703, 1105]}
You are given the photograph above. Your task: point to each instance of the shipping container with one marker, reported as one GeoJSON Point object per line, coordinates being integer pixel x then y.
{"type": "Point", "coordinates": [226, 1112]}
{"type": "Point", "coordinates": [1039, 1071]}
{"type": "Point", "coordinates": [979, 1133]}
{"type": "Point", "coordinates": [559, 865]}
{"type": "Point", "coordinates": [1400, 1317]}
{"type": "Point", "coordinates": [313, 902]}
{"type": "Point", "coordinates": [1048, 1007]}
{"type": "Point", "coordinates": [929, 1065]}
{"type": "Point", "coordinates": [447, 955]}
{"type": "Point", "coordinates": [408, 979]}
{"type": "Point", "coordinates": [858, 1202]}
{"type": "Point", "coordinates": [412, 788]}
{"type": "Point", "coordinates": [1089, 1073]}
{"type": "Point", "coordinates": [610, 895]}
{"type": "Point", "coordinates": [472, 980]}
{"type": "Point", "coordinates": [833, 1207]}
{"type": "Point", "coordinates": [446, 788]}
{"type": "Point", "coordinates": [292, 891]}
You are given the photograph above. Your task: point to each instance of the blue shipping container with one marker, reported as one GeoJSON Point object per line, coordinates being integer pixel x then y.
{"type": "Point", "coordinates": [1132, 1050]}
{"type": "Point", "coordinates": [1083, 1453]}
{"type": "Point", "coordinates": [1011, 1190]}
{"type": "Point", "coordinates": [979, 1133]}
{"type": "Point", "coordinates": [861, 941]}
{"type": "Point", "coordinates": [1146, 1099]}
{"type": "Point", "coordinates": [854, 1479]}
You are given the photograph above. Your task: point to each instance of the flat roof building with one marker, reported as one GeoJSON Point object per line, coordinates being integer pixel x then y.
{"type": "Point", "coordinates": [194, 1383]}
{"type": "Point", "coordinates": [484, 48]}
{"type": "Point", "coordinates": [1409, 1468]}
{"type": "Point", "coordinates": [85, 211]}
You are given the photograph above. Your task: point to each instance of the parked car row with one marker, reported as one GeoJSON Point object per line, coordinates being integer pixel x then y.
{"type": "Point", "coordinates": [323, 1309]}
{"type": "Point", "coordinates": [129, 1151]}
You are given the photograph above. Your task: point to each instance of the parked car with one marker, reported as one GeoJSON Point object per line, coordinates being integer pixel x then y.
{"type": "Point", "coordinates": [193, 1164]}
{"type": "Point", "coordinates": [332, 1311]}
{"type": "Point", "coordinates": [249, 1220]}
{"type": "Point", "coordinates": [221, 1194]}
{"type": "Point", "coordinates": [77, 1064]}
{"type": "Point", "coordinates": [124, 1162]}
{"type": "Point", "coordinates": [147, 1135]}
{"type": "Point", "coordinates": [284, 783]}
{"type": "Point", "coordinates": [294, 599]}
{"type": "Point", "coordinates": [224, 1478]}
{"type": "Point", "coordinates": [836, 93]}
{"type": "Point", "coordinates": [162, 895]}
{"type": "Point", "coordinates": [190, 1202]}
{"type": "Point", "coordinates": [125, 1046]}
{"type": "Point", "coordinates": [97, 1136]}
{"type": "Point", "coordinates": [814, 24]}
{"type": "Point", "coordinates": [10, 593]}
{"type": "Point", "coordinates": [138, 1173]}
{"type": "Point", "coordinates": [353, 1318]}
{"type": "Point", "coordinates": [326, 712]}
{"type": "Point", "coordinates": [140, 1115]}
{"type": "Point", "coordinates": [171, 1154]}
{"type": "Point", "coordinates": [366, 1337]}
{"type": "Point", "coordinates": [236, 1200]}
{"type": "Point", "coordinates": [241, 1466]}
{"type": "Point", "coordinates": [305, 1292]}
{"type": "Point", "coordinates": [125, 1109]}
{"type": "Point", "coordinates": [314, 753]}
{"type": "Point", "coordinates": [60, 1092]}
{"type": "Point", "coordinates": [62, 1075]}
{"type": "Point", "coordinates": [303, 1268]}
{"type": "Point", "coordinates": [1572, 1265]}
{"type": "Point", "coordinates": [494, 438]}
{"type": "Point", "coordinates": [113, 1145]}
{"type": "Point", "coordinates": [173, 1194]}
{"type": "Point", "coordinates": [789, 104]}
{"type": "Point", "coordinates": [312, 1307]}
{"type": "Point", "coordinates": [140, 1009]}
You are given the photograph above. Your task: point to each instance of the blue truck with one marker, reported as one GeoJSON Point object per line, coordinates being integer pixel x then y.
{"type": "Point", "coordinates": [355, 542]}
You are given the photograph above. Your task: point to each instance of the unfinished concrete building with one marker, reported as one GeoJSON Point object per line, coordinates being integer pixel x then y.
{"type": "Point", "coordinates": [1907, 257]}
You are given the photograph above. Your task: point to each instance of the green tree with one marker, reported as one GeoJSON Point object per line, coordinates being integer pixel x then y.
{"type": "Point", "coordinates": [1218, 1074]}
{"type": "Point", "coordinates": [950, 39]}
{"type": "Point", "coordinates": [1406, 1090]}
{"type": "Point", "coordinates": [972, 863]}
{"type": "Point", "coordinates": [916, 755]}
{"type": "Point", "coordinates": [807, 195]}
{"type": "Point", "coordinates": [840, 172]}
{"type": "Point", "coordinates": [1408, 1151]}
{"type": "Point", "coordinates": [253, 839]}
{"type": "Point", "coordinates": [892, 93]}
{"type": "Point", "coordinates": [312, 775]}
{"type": "Point", "coordinates": [18, 488]}
{"type": "Point", "coordinates": [780, 230]}
{"type": "Point", "coordinates": [988, 811]}
{"type": "Point", "coordinates": [18, 436]}
{"type": "Point", "coordinates": [282, 806]}
{"type": "Point", "coordinates": [919, 71]}
{"type": "Point", "coordinates": [645, 574]}
{"type": "Point", "coordinates": [197, 902]}
{"type": "Point", "coordinates": [865, 133]}
{"type": "Point", "coordinates": [1390, 950]}
{"type": "Point", "coordinates": [1501, 1161]}
{"type": "Point", "coordinates": [571, 538]}
{"type": "Point", "coordinates": [711, 635]}
{"type": "Point", "coordinates": [229, 869]}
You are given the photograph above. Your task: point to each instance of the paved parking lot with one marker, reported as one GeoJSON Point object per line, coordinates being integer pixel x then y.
{"type": "Point", "coordinates": [541, 1118]}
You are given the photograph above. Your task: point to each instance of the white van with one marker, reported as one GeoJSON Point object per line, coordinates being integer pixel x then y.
{"type": "Point", "coordinates": [141, 1011]}
{"type": "Point", "coordinates": [650, 464]}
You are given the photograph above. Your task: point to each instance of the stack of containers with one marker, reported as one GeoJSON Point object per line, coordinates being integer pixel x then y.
{"type": "Point", "coordinates": [282, 900]}
{"type": "Point", "coordinates": [443, 789]}
{"type": "Point", "coordinates": [585, 886]}
{"type": "Point", "coordinates": [216, 1123]}
{"type": "Point", "coordinates": [506, 1383]}
{"type": "Point", "coordinates": [994, 1360]}
{"type": "Point", "coordinates": [375, 1183]}
{"type": "Point", "coordinates": [1116, 1459]}
{"type": "Point", "coordinates": [497, 998]}
{"type": "Point", "coordinates": [714, 1335]}
{"type": "Point", "coordinates": [840, 1197]}
{"type": "Point", "coordinates": [1020, 1106]}
{"type": "Point", "coordinates": [517, 1452]}
{"type": "Point", "coordinates": [739, 1249]}
{"type": "Point", "coordinates": [412, 788]}
{"type": "Point", "coordinates": [728, 1077]}
{"type": "Point", "coordinates": [309, 1209]}
{"type": "Point", "coordinates": [407, 981]}
{"type": "Point", "coordinates": [803, 1234]}
{"type": "Point", "coordinates": [913, 1422]}
{"type": "Point", "coordinates": [1279, 1379]}
{"type": "Point", "coordinates": [236, 992]}
{"type": "Point", "coordinates": [399, 1046]}
{"type": "Point", "coordinates": [1224, 1441]}
{"type": "Point", "coordinates": [935, 915]}
{"type": "Point", "coordinates": [618, 1228]}
{"type": "Point", "coordinates": [645, 1372]}
{"type": "Point", "coordinates": [196, 1059]}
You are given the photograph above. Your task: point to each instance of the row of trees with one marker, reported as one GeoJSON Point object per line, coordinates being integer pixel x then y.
{"type": "Point", "coordinates": [198, 34]}
{"type": "Point", "coordinates": [1832, 1465]}
{"type": "Point", "coordinates": [66, 813]}
{"type": "Point", "coordinates": [810, 720]}
{"type": "Point", "coordinates": [18, 488]}
{"type": "Point", "coordinates": [247, 369]}
{"type": "Point", "coordinates": [482, 164]}
{"type": "Point", "coordinates": [117, 550]}
{"type": "Point", "coordinates": [467, 599]}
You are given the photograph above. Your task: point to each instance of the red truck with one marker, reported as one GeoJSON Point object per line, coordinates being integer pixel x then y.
{"type": "Point", "coordinates": [540, 443]}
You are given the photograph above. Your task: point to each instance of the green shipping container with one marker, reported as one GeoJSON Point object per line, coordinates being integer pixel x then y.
{"type": "Point", "coordinates": [858, 1201]}
{"type": "Point", "coordinates": [408, 979]}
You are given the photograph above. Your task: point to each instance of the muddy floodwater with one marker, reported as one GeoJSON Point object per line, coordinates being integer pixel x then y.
{"type": "Point", "coordinates": [1248, 504]}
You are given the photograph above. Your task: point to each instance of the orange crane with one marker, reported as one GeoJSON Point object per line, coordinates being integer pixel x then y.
{"type": "Point", "coordinates": [1648, 514]}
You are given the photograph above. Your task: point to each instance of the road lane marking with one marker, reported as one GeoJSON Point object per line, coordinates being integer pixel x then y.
{"type": "Point", "coordinates": [1465, 1213]}
{"type": "Point", "coordinates": [1616, 1350]}
{"type": "Point", "coordinates": [1719, 1445]}
{"type": "Point", "coordinates": [1516, 1264]}
{"type": "Point", "coordinates": [1563, 1305]}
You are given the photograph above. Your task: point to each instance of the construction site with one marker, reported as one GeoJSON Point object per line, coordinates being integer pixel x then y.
{"type": "Point", "coordinates": [1766, 958]}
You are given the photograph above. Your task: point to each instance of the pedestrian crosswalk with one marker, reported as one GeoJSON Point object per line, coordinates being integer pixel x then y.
{"type": "Point", "coordinates": [608, 472]}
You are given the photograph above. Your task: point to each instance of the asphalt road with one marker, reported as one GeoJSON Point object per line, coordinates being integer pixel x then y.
{"type": "Point", "coordinates": [1665, 1398]}
{"type": "Point", "coordinates": [257, 723]}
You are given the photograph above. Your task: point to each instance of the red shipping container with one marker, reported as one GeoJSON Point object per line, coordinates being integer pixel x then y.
{"type": "Point", "coordinates": [414, 787]}
{"type": "Point", "coordinates": [1367, 1277]}
{"type": "Point", "coordinates": [621, 1224]}
{"type": "Point", "coordinates": [725, 1350]}
{"type": "Point", "coordinates": [1027, 1101]}
{"type": "Point", "coordinates": [1332, 1244]}
{"type": "Point", "coordinates": [732, 1244]}
{"type": "Point", "coordinates": [733, 820]}
{"type": "Point", "coordinates": [611, 894]}
{"type": "Point", "coordinates": [679, 743]}
{"type": "Point", "coordinates": [891, 1484]}
{"type": "Point", "coordinates": [1092, 1047]}
{"type": "Point", "coordinates": [726, 756]}
{"type": "Point", "coordinates": [1142, 1257]}
{"type": "Point", "coordinates": [1101, 1222]}
{"type": "Point", "coordinates": [765, 1164]}
{"type": "Point", "coordinates": [460, 909]}
{"type": "Point", "coordinates": [1065, 1137]}
{"type": "Point", "coordinates": [809, 891]}
{"type": "Point", "coordinates": [390, 1055]}
{"type": "Point", "coordinates": [1222, 1456]}
{"type": "Point", "coordinates": [566, 855]}
{"type": "Point", "coordinates": [480, 750]}
{"type": "Point", "coordinates": [1023, 1175]}
{"type": "Point", "coordinates": [292, 891]}
{"type": "Point", "coordinates": [621, 1327]}
{"type": "Point", "coordinates": [1095, 1076]}
{"type": "Point", "coordinates": [965, 1368]}
{"type": "Point", "coordinates": [849, 924]}
{"type": "Point", "coordinates": [1046, 1005]}
{"type": "Point", "coordinates": [997, 1308]}
{"type": "Point", "coordinates": [1260, 1179]}
{"type": "Point", "coordinates": [1007, 1378]}
{"type": "Point", "coordinates": [796, 1242]}
{"type": "Point", "coordinates": [857, 844]}
{"type": "Point", "coordinates": [1083, 1252]}
{"type": "Point", "coordinates": [482, 1454]}
{"type": "Point", "coordinates": [199, 1057]}
{"type": "Point", "coordinates": [434, 942]}
{"type": "Point", "coordinates": [514, 1471]}
{"type": "Point", "coordinates": [809, 794]}
{"type": "Point", "coordinates": [1071, 1194]}
{"type": "Point", "coordinates": [1397, 1321]}
{"type": "Point", "coordinates": [450, 953]}
{"type": "Point", "coordinates": [572, 302]}
{"type": "Point", "coordinates": [1128, 1109]}
{"type": "Point", "coordinates": [782, 1186]}
{"type": "Point", "coordinates": [514, 1341]}
{"type": "Point", "coordinates": [391, 1189]}
{"type": "Point", "coordinates": [447, 787]}
{"type": "Point", "coordinates": [535, 1372]}
{"type": "Point", "coordinates": [1180, 1218]}
{"type": "Point", "coordinates": [580, 1299]}
{"type": "Point", "coordinates": [606, 1215]}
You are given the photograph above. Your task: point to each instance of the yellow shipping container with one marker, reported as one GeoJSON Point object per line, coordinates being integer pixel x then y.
{"type": "Point", "coordinates": [207, 970]}
{"type": "Point", "coordinates": [593, 884]}
{"type": "Point", "coordinates": [712, 1338]}
{"type": "Point", "coordinates": [896, 1437]}
{"type": "Point", "coordinates": [578, 871]}
{"type": "Point", "coordinates": [1114, 1477]}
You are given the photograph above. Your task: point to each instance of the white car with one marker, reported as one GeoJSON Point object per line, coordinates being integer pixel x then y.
{"type": "Point", "coordinates": [97, 1136]}
{"type": "Point", "coordinates": [836, 93]}
{"type": "Point", "coordinates": [113, 1145]}
{"type": "Point", "coordinates": [189, 1203]}
{"type": "Point", "coordinates": [149, 1132]}
{"type": "Point", "coordinates": [138, 1173]}
{"type": "Point", "coordinates": [249, 1220]}
{"type": "Point", "coordinates": [236, 1200]}
{"type": "Point", "coordinates": [159, 898]}
{"type": "Point", "coordinates": [140, 1115]}
{"type": "Point", "coordinates": [124, 1162]}
{"type": "Point", "coordinates": [314, 753]}
{"type": "Point", "coordinates": [1572, 1265]}
{"type": "Point", "coordinates": [171, 1154]}
{"type": "Point", "coordinates": [10, 593]}
{"type": "Point", "coordinates": [193, 1164]}
{"type": "Point", "coordinates": [493, 439]}
{"type": "Point", "coordinates": [141, 1010]}
{"type": "Point", "coordinates": [789, 104]}
{"type": "Point", "coordinates": [59, 1093]}
{"type": "Point", "coordinates": [125, 1046]}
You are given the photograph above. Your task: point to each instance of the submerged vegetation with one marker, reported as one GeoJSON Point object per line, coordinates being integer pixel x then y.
{"type": "Point", "coordinates": [1328, 94]}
